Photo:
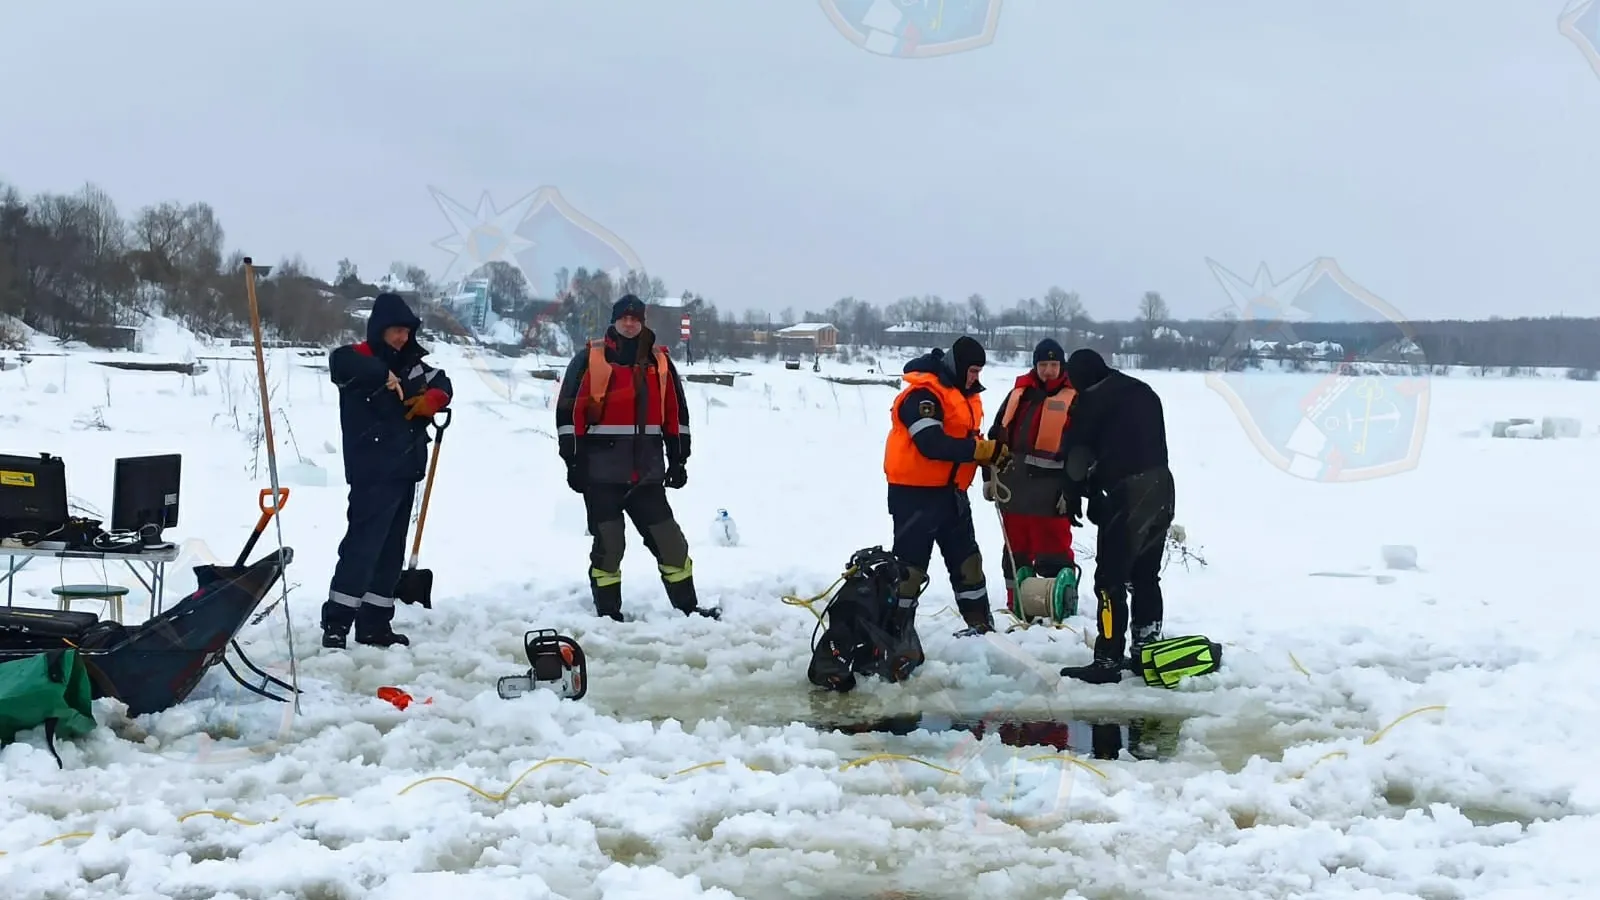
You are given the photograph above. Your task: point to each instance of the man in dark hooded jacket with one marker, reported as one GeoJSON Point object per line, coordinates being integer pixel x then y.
{"type": "Point", "coordinates": [934, 450]}
{"type": "Point", "coordinates": [1116, 457]}
{"type": "Point", "coordinates": [622, 428]}
{"type": "Point", "coordinates": [387, 396]}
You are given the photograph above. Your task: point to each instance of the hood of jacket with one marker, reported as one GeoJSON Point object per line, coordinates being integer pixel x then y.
{"type": "Point", "coordinates": [388, 310]}
{"type": "Point", "coordinates": [1086, 368]}
{"type": "Point", "coordinates": [937, 363]}
{"type": "Point", "coordinates": [624, 351]}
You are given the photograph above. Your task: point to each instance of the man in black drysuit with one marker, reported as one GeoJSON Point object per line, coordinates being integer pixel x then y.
{"type": "Point", "coordinates": [1116, 457]}
{"type": "Point", "coordinates": [387, 397]}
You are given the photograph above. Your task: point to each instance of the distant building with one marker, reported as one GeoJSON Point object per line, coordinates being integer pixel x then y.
{"type": "Point", "coordinates": [808, 337]}
{"type": "Point", "coordinates": [922, 335]}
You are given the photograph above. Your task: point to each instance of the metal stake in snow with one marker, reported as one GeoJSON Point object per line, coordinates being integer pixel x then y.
{"type": "Point", "coordinates": [250, 271]}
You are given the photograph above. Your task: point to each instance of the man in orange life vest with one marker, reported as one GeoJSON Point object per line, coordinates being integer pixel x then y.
{"type": "Point", "coordinates": [622, 428]}
{"type": "Point", "coordinates": [933, 452]}
{"type": "Point", "coordinates": [1038, 513]}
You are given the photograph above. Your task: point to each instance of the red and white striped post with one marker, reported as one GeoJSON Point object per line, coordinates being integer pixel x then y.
{"type": "Point", "coordinates": [684, 330]}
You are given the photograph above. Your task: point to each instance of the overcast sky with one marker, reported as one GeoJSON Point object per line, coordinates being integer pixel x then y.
{"type": "Point", "coordinates": [1444, 153]}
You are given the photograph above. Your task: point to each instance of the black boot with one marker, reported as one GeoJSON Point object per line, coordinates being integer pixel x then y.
{"type": "Point", "coordinates": [977, 616]}
{"type": "Point", "coordinates": [1142, 634]}
{"type": "Point", "coordinates": [1104, 670]}
{"type": "Point", "coordinates": [607, 600]}
{"type": "Point", "coordinates": [373, 627]}
{"type": "Point", "coordinates": [681, 595]}
{"type": "Point", "coordinates": [336, 621]}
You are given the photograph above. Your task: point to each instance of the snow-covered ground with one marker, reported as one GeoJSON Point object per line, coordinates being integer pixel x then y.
{"type": "Point", "coordinates": [700, 763]}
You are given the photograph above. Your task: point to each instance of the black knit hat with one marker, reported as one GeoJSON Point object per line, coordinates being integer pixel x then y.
{"type": "Point", "coordinates": [1047, 351]}
{"type": "Point", "coordinates": [629, 305]}
{"type": "Point", "coordinates": [966, 353]}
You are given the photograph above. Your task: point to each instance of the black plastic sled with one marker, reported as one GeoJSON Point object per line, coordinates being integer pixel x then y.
{"type": "Point", "coordinates": [155, 666]}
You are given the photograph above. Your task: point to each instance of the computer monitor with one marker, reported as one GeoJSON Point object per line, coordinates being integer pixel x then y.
{"type": "Point", "coordinates": [145, 494]}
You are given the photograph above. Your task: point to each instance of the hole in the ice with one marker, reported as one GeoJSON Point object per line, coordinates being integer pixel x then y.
{"type": "Point", "coordinates": [1144, 737]}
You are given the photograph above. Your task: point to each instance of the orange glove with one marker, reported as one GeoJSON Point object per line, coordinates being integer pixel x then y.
{"type": "Point", "coordinates": [426, 404]}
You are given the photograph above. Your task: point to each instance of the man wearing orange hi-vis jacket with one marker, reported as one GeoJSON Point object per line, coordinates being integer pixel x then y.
{"type": "Point", "coordinates": [934, 450]}
{"type": "Point", "coordinates": [622, 428]}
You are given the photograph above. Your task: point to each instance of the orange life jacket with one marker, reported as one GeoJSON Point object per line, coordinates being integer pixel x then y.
{"type": "Point", "coordinates": [615, 412]}
{"type": "Point", "coordinates": [905, 465]}
{"type": "Point", "coordinates": [1044, 450]}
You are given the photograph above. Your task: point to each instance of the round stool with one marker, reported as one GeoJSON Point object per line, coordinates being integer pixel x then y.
{"type": "Point", "coordinates": [99, 593]}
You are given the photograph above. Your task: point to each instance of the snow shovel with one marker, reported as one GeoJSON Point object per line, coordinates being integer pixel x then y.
{"type": "Point", "coordinates": [416, 585]}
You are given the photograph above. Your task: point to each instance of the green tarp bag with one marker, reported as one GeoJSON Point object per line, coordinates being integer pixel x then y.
{"type": "Point", "coordinates": [1166, 662]}
{"type": "Point", "coordinates": [51, 689]}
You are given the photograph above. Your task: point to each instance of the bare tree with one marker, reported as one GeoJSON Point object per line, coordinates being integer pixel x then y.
{"type": "Point", "coordinates": [1057, 305]}
{"type": "Point", "coordinates": [1153, 314]}
{"type": "Point", "coordinates": [978, 316]}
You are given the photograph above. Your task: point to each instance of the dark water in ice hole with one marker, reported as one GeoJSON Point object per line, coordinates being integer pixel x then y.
{"type": "Point", "coordinates": [1145, 737]}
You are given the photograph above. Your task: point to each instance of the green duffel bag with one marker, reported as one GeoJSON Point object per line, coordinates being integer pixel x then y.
{"type": "Point", "coordinates": [50, 689]}
{"type": "Point", "coordinates": [1166, 662]}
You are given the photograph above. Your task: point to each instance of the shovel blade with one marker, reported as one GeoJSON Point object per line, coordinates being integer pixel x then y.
{"type": "Point", "coordinates": [415, 587]}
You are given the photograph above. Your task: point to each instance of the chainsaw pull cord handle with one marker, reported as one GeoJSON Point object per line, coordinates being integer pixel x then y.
{"type": "Point", "coordinates": [439, 427]}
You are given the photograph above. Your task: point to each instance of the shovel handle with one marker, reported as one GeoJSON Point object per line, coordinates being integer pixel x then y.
{"type": "Point", "coordinates": [438, 425]}
{"type": "Point", "coordinates": [268, 511]}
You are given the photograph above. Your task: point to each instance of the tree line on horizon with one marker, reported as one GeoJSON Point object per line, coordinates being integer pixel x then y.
{"type": "Point", "coordinates": [73, 267]}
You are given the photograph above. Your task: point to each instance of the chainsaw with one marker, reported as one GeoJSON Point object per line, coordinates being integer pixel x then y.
{"type": "Point", "coordinates": [555, 662]}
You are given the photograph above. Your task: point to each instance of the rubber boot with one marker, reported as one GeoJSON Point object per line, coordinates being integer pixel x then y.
{"type": "Point", "coordinates": [607, 600]}
{"type": "Point", "coordinates": [976, 614]}
{"type": "Point", "coordinates": [1142, 634]}
{"type": "Point", "coordinates": [336, 621]}
{"type": "Point", "coordinates": [1104, 670]}
{"type": "Point", "coordinates": [1107, 667]}
{"type": "Point", "coordinates": [373, 627]}
{"type": "Point", "coordinates": [681, 594]}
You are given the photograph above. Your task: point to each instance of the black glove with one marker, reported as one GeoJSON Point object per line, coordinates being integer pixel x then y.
{"type": "Point", "coordinates": [1098, 513]}
{"type": "Point", "coordinates": [677, 476]}
{"type": "Point", "coordinates": [575, 476]}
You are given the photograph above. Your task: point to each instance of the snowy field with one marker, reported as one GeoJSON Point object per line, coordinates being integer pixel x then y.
{"type": "Point", "coordinates": [1385, 734]}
